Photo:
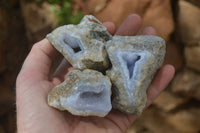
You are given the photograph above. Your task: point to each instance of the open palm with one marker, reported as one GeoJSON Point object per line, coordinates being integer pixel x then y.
{"type": "Point", "coordinates": [33, 85]}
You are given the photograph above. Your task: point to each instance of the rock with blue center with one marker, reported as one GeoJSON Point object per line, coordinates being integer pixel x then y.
{"type": "Point", "coordinates": [135, 61]}
{"type": "Point", "coordinates": [85, 93]}
{"type": "Point", "coordinates": [83, 45]}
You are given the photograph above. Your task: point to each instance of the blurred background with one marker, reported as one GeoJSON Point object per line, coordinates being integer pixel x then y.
{"type": "Point", "coordinates": [176, 110]}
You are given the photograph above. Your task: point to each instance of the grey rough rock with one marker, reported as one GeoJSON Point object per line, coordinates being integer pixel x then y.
{"type": "Point", "coordinates": [85, 93]}
{"type": "Point", "coordinates": [83, 45]}
{"type": "Point", "coordinates": [135, 61]}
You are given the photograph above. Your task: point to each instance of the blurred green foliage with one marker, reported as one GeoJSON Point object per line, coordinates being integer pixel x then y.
{"type": "Point", "coordinates": [65, 13]}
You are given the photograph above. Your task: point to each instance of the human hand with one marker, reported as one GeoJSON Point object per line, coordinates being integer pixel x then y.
{"type": "Point", "coordinates": [33, 85]}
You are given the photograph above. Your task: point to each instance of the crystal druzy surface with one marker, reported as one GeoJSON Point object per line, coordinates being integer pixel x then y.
{"type": "Point", "coordinates": [129, 62]}
{"type": "Point", "coordinates": [83, 93]}
{"type": "Point", "coordinates": [135, 61]}
{"type": "Point", "coordinates": [83, 45]}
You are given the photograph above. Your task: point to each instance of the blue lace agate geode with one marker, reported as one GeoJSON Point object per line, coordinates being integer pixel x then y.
{"type": "Point", "coordinates": [135, 61]}
{"type": "Point", "coordinates": [83, 45]}
{"type": "Point", "coordinates": [83, 93]}
{"type": "Point", "coordinates": [131, 63]}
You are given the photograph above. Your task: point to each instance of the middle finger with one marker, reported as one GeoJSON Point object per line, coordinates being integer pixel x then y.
{"type": "Point", "coordinates": [130, 26]}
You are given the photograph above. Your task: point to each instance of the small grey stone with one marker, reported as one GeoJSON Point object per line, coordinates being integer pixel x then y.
{"type": "Point", "coordinates": [83, 45]}
{"type": "Point", "coordinates": [134, 60]}
{"type": "Point", "coordinates": [85, 93]}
